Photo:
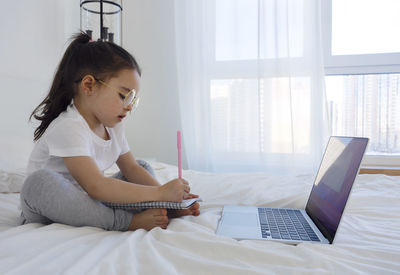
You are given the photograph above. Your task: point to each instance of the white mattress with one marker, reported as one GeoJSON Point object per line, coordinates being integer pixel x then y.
{"type": "Point", "coordinates": [368, 240]}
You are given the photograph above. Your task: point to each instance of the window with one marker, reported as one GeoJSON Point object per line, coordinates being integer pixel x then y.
{"type": "Point", "coordinates": [365, 27]}
{"type": "Point", "coordinates": [362, 75]}
{"type": "Point", "coordinates": [362, 66]}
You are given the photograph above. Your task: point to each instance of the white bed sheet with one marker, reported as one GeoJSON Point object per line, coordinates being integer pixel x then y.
{"type": "Point", "coordinates": [368, 240]}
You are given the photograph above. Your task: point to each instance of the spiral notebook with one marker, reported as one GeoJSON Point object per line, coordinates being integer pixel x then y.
{"type": "Point", "coordinates": [153, 204]}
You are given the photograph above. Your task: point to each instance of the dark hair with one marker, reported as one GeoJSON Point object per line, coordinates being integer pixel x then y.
{"type": "Point", "coordinates": [101, 59]}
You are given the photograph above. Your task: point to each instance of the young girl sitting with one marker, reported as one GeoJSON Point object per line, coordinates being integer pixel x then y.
{"type": "Point", "coordinates": [80, 135]}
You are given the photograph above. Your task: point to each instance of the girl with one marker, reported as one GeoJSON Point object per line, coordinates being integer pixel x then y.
{"type": "Point", "coordinates": [80, 135]}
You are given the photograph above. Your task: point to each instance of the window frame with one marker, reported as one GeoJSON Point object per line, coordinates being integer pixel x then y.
{"type": "Point", "coordinates": [382, 63]}
{"type": "Point", "coordinates": [352, 64]}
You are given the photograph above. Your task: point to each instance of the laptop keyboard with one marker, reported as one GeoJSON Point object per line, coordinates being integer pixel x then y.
{"type": "Point", "coordinates": [285, 224]}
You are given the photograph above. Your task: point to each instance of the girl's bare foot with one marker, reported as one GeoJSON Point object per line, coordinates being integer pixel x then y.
{"type": "Point", "coordinates": [194, 210]}
{"type": "Point", "coordinates": [149, 219]}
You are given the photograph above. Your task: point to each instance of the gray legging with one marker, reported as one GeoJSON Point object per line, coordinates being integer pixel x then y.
{"type": "Point", "coordinates": [48, 197]}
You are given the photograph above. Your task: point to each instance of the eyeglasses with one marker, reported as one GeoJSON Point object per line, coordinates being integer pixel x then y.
{"type": "Point", "coordinates": [129, 99]}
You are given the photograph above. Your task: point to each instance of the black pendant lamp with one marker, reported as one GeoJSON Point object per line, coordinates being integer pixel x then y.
{"type": "Point", "coordinates": [102, 20]}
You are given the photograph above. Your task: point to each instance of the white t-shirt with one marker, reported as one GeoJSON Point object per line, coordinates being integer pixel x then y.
{"type": "Point", "coordinates": [69, 135]}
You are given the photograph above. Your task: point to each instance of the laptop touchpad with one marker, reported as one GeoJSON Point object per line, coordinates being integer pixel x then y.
{"type": "Point", "coordinates": [241, 219]}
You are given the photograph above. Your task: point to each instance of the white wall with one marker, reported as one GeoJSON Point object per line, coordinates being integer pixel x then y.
{"type": "Point", "coordinates": [33, 35]}
{"type": "Point", "coordinates": [148, 33]}
{"type": "Point", "coordinates": [33, 38]}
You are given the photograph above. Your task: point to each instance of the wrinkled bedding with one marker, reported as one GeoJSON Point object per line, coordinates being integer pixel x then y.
{"type": "Point", "coordinates": [367, 242]}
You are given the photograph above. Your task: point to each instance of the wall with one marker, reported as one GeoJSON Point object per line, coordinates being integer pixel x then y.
{"type": "Point", "coordinates": [148, 33]}
{"type": "Point", "coordinates": [33, 38]}
{"type": "Point", "coordinates": [33, 35]}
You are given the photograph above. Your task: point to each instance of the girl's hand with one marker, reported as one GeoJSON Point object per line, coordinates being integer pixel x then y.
{"type": "Point", "coordinates": [175, 190]}
{"type": "Point", "coordinates": [191, 196]}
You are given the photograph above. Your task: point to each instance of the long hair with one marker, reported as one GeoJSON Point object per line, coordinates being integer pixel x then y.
{"type": "Point", "coordinates": [82, 57]}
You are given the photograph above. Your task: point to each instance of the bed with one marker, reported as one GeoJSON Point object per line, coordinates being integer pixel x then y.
{"type": "Point", "coordinates": [368, 240]}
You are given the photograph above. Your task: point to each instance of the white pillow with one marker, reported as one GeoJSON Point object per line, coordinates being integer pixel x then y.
{"type": "Point", "coordinates": [11, 182]}
{"type": "Point", "coordinates": [15, 150]}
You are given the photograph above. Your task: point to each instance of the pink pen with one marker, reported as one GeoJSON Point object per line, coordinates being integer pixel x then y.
{"type": "Point", "coordinates": [179, 143]}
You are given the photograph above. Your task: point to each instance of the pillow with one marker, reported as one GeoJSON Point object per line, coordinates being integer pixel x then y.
{"type": "Point", "coordinates": [15, 150]}
{"type": "Point", "coordinates": [11, 182]}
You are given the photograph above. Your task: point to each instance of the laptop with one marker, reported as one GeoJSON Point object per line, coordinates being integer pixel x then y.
{"type": "Point", "coordinates": [320, 219]}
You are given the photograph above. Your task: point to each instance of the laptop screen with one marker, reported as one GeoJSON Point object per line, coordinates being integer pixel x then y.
{"type": "Point", "coordinates": [337, 172]}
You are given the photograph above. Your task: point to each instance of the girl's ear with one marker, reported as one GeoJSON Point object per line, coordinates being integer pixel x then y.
{"type": "Point", "coordinates": [87, 84]}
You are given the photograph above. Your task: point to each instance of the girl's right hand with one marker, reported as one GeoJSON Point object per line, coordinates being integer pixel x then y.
{"type": "Point", "coordinates": [175, 190]}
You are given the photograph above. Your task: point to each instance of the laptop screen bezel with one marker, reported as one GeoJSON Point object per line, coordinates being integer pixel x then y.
{"type": "Point", "coordinates": [317, 222]}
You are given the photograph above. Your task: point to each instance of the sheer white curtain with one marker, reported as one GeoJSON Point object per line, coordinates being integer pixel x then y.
{"type": "Point", "coordinates": [251, 84]}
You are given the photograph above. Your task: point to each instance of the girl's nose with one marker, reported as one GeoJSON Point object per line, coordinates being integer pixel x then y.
{"type": "Point", "coordinates": [129, 107]}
